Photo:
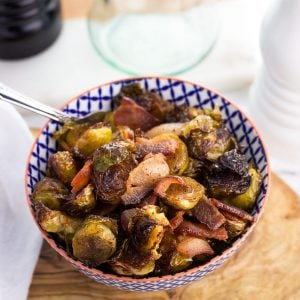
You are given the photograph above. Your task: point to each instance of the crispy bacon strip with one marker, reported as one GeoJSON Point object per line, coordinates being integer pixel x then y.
{"type": "Point", "coordinates": [208, 214]}
{"type": "Point", "coordinates": [177, 219]}
{"type": "Point", "coordinates": [232, 210]}
{"type": "Point", "coordinates": [201, 231]}
{"type": "Point", "coordinates": [134, 116]}
{"type": "Point", "coordinates": [192, 246]}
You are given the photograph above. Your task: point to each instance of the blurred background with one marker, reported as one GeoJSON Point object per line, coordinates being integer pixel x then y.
{"type": "Point", "coordinates": [78, 44]}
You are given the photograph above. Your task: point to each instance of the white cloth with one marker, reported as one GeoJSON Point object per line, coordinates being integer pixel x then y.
{"type": "Point", "coordinates": [20, 240]}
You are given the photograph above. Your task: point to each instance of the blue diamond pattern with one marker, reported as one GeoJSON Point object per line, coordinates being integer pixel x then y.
{"type": "Point", "coordinates": [177, 92]}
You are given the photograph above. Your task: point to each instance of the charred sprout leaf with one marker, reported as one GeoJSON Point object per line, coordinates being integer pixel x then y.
{"type": "Point", "coordinates": [63, 166]}
{"type": "Point", "coordinates": [128, 218]}
{"type": "Point", "coordinates": [81, 203]}
{"type": "Point", "coordinates": [202, 123]}
{"type": "Point", "coordinates": [206, 213]}
{"type": "Point", "coordinates": [95, 241]}
{"type": "Point", "coordinates": [50, 192]}
{"type": "Point", "coordinates": [192, 246]}
{"type": "Point", "coordinates": [144, 177]}
{"type": "Point", "coordinates": [93, 118]}
{"type": "Point", "coordinates": [174, 128]}
{"type": "Point", "coordinates": [228, 176]}
{"type": "Point", "coordinates": [193, 168]}
{"type": "Point", "coordinates": [247, 199]}
{"type": "Point", "coordinates": [56, 221]}
{"type": "Point", "coordinates": [150, 101]}
{"type": "Point", "coordinates": [134, 116]}
{"type": "Point", "coordinates": [180, 192]}
{"type": "Point", "coordinates": [131, 262]}
{"type": "Point", "coordinates": [179, 113]}
{"type": "Point", "coordinates": [93, 138]}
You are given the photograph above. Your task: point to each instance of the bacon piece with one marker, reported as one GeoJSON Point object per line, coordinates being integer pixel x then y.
{"type": "Point", "coordinates": [177, 219]}
{"type": "Point", "coordinates": [166, 147]}
{"type": "Point", "coordinates": [208, 214]}
{"type": "Point", "coordinates": [241, 214]}
{"type": "Point", "coordinates": [201, 231]}
{"type": "Point", "coordinates": [144, 177]}
{"type": "Point", "coordinates": [192, 246]}
{"type": "Point", "coordinates": [148, 200]}
{"type": "Point", "coordinates": [134, 116]}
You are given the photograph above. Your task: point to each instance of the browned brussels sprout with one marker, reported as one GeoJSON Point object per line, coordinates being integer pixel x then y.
{"type": "Point", "coordinates": [228, 176]}
{"type": "Point", "coordinates": [172, 262]}
{"type": "Point", "coordinates": [63, 166]}
{"type": "Point", "coordinates": [180, 192]}
{"type": "Point", "coordinates": [93, 138]}
{"type": "Point", "coordinates": [50, 192]}
{"type": "Point", "coordinates": [131, 262]}
{"type": "Point", "coordinates": [247, 199]}
{"type": "Point", "coordinates": [193, 168]}
{"type": "Point", "coordinates": [112, 164]}
{"type": "Point", "coordinates": [56, 221]}
{"type": "Point", "coordinates": [146, 236]}
{"type": "Point", "coordinates": [81, 203]}
{"type": "Point", "coordinates": [234, 226]}
{"type": "Point", "coordinates": [95, 241]}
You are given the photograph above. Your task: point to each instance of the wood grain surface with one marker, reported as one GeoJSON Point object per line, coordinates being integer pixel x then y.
{"type": "Point", "coordinates": [266, 267]}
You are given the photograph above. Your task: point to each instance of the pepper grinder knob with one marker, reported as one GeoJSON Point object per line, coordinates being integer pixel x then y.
{"type": "Point", "coordinates": [275, 95]}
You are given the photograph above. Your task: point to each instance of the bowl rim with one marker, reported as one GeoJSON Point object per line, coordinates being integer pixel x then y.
{"type": "Point", "coordinates": [191, 271]}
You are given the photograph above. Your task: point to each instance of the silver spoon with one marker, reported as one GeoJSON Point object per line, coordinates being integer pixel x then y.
{"type": "Point", "coordinates": [7, 94]}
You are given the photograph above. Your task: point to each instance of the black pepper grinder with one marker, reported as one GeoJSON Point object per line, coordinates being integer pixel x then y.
{"type": "Point", "coordinates": [28, 26]}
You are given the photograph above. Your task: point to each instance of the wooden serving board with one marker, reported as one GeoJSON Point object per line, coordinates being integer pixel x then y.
{"type": "Point", "coordinates": [266, 267]}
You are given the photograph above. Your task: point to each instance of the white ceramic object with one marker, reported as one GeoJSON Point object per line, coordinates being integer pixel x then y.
{"type": "Point", "coordinates": [275, 96]}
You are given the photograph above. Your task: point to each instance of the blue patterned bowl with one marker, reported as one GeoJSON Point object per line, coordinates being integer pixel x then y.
{"type": "Point", "coordinates": [178, 92]}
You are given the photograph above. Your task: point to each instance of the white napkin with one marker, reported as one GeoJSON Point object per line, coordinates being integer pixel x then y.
{"type": "Point", "coordinates": [20, 240]}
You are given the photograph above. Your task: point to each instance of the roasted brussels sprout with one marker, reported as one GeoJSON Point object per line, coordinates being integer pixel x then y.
{"type": "Point", "coordinates": [81, 203]}
{"type": "Point", "coordinates": [63, 166]}
{"type": "Point", "coordinates": [147, 235]}
{"type": "Point", "coordinates": [131, 262]}
{"type": "Point", "coordinates": [112, 164]}
{"type": "Point", "coordinates": [56, 221]}
{"type": "Point", "coordinates": [93, 138]}
{"type": "Point", "coordinates": [228, 176]}
{"type": "Point", "coordinates": [179, 192]}
{"type": "Point", "coordinates": [193, 168]}
{"type": "Point", "coordinates": [234, 226]}
{"type": "Point", "coordinates": [172, 262]}
{"type": "Point", "coordinates": [247, 199]}
{"type": "Point", "coordinates": [95, 241]}
{"type": "Point", "coordinates": [50, 192]}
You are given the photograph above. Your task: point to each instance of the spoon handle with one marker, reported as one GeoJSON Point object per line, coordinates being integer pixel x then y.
{"type": "Point", "coordinates": [9, 95]}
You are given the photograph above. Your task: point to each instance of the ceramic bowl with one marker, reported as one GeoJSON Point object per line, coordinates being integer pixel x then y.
{"type": "Point", "coordinates": [178, 92]}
